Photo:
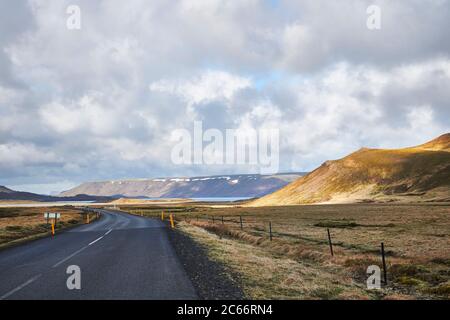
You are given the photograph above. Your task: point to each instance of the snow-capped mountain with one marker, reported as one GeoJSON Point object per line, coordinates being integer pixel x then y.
{"type": "Point", "coordinates": [245, 185]}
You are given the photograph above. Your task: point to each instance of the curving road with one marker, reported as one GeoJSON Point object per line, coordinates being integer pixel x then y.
{"type": "Point", "coordinates": [121, 256]}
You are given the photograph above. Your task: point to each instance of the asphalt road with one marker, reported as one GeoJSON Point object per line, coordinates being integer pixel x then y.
{"type": "Point", "coordinates": [120, 257]}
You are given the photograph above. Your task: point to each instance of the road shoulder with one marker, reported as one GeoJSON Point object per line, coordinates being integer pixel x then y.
{"type": "Point", "coordinates": [211, 279]}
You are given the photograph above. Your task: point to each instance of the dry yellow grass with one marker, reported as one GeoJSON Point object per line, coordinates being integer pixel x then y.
{"type": "Point", "coordinates": [27, 223]}
{"type": "Point", "coordinates": [269, 276]}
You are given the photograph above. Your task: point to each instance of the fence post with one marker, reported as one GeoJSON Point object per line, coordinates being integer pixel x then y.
{"type": "Point", "coordinates": [384, 263]}
{"type": "Point", "coordinates": [270, 230]}
{"type": "Point", "coordinates": [171, 221]}
{"type": "Point", "coordinates": [240, 220]}
{"type": "Point", "coordinates": [329, 241]}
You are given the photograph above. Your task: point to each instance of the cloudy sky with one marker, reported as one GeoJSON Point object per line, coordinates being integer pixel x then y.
{"type": "Point", "coordinates": [101, 102]}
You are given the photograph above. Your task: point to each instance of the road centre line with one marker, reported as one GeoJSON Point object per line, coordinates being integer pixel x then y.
{"type": "Point", "coordinates": [67, 258]}
{"type": "Point", "coordinates": [96, 240]}
{"type": "Point", "coordinates": [78, 251]}
{"type": "Point", "coordinates": [23, 285]}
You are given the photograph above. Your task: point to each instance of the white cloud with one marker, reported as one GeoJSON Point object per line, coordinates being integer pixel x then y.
{"type": "Point", "coordinates": [15, 154]}
{"type": "Point", "coordinates": [100, 103]}
{"type": "Point", "coordinates": [209, 86]}
{"type": "Point", "coordinates": [345, 108]}
{"type": "Point", "coordinates": [86, 114]}
{"type": "Point", "coordinates": [421, 118]}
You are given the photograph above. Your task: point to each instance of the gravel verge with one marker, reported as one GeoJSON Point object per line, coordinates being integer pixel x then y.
{"type": "Point", "coordinates": [211, 279]}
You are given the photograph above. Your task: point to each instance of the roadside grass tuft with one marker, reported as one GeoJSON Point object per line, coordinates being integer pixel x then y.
{"type": "Point", "coordinates": [441, 290]}
{"type": "Point", "coordinates": [346, 224]}
{"type": "Point", "coordinates": [337, 224]}
{"type": "Point", "coordinates": [442, 261]}
{"type": "Point", "coordinates": [327, 293]}
{"type": "Point", "coordinates": [409, 281]}
{"type": "Point", "coordinates": [14, 228]}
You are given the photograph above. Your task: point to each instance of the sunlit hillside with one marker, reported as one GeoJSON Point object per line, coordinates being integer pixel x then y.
{"type": "Point", "coordinates": [420, 173]}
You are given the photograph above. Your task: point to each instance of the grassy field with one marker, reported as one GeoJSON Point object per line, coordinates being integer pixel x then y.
{"type": "Point", "coordinates": [19, 224]}
{"type": "Point", "coordinates": [297, 263]}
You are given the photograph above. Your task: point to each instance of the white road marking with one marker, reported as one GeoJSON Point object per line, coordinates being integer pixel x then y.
{"type": "Point", "coordinates": [23, 285]}
{"type": "Point", "coordinates": [72, 255]}
{"type": "Point", "coordinates": [77, 252]}
{"type": "Point", "coordinates": [95, 240]}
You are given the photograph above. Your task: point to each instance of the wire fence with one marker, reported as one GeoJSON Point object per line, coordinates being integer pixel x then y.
{"type": "Point", "coordinates": [272, 230]}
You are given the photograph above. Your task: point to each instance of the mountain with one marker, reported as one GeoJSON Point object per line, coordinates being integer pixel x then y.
{"type": "Point", "coordinates": [8, 194]}
{"type": "Point", "coordinates": [420, 173]}
{"type": "Point", "coordinates": [5, 190]}
{"type": "Point", "coordinates": [248, 185]}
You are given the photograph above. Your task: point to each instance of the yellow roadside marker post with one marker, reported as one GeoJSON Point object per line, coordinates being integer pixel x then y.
{"type": "Point", "coordinates": [162, 215]}
{"type": "Point", "coordinates": [171, 221]}
{"type": "Point", "coordinates": [53, 229]}
{"type": "Point", "coordinates": [87, 218]}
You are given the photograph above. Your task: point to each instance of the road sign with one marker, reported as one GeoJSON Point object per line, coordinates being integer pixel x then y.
{"type": "Point", "coordinates": [51, 215]}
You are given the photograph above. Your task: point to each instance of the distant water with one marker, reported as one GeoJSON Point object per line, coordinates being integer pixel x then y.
{"type": "Point", "coordinates": [221, 199]}
{"type": "Point", "coordinates": [81, 203]}
{"type": "Point", "coordinates": [45, 204]}
{"type": "Point", "coordinates": [206, 199]}
{"type": "Point", "coordinates": [74, 202]}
